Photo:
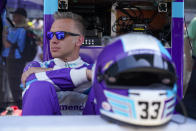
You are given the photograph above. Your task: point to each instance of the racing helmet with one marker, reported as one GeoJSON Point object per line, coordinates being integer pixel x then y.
{"type": "Point", "coordinates": [134, 81]}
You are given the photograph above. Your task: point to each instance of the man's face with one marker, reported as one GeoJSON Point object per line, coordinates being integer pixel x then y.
{"type": "Point", "coordinates": [18, 19]}
{"type": "Point", "coordinates": [67, 47]}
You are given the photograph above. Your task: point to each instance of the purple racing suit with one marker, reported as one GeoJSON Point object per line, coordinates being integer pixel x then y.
{"type": "Point", "coordinates": [45, 91]}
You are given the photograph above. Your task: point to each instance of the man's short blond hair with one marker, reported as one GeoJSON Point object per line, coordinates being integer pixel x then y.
{"type": "Point", "coordinates": [69, 15]}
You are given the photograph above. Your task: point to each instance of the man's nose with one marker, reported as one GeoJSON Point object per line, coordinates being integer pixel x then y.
{"type": "Point", "coordinates": [54, 40]}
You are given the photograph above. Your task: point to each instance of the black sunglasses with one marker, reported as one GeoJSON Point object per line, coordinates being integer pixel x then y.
{"type": "Point", "coordinates": [60, 35]}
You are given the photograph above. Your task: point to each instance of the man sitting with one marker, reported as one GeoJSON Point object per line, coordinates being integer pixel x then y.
{"type": "Point", "coordinates": [63, 73]}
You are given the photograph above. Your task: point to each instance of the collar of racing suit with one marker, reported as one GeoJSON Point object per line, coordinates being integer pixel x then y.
{"type": "Point", "coordinates": [71, 64]}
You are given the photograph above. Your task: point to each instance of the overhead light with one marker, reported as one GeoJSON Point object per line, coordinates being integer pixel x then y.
{"type": "Point", "coordinates": [62, 5]}
{"type": "Point", "coordinates": [162, 7]}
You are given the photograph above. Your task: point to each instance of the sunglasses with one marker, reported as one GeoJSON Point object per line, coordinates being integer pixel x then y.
{"type": "Point", "coordinates": [60, 35]}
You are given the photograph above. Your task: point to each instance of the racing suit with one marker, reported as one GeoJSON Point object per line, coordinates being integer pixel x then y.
{"type": "Point", "coordinates": [41, 95]}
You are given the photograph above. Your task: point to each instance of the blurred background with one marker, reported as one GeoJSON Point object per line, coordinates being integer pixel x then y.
{"type": "Point", "coordinates": [189, 10]}
{"type": "Point", "coordinates": [34, 9]}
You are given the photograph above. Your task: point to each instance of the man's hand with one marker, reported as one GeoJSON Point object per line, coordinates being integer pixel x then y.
{"type": "Point", "coordinates": [89, 74]}
{"type": "Point", "coordinates": [7, 44]}
{"type": "Point", "coordinates": [32, 70]}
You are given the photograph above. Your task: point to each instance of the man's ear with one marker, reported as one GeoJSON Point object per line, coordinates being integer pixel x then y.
{"type": "Point", "coordinates": [80, 40]}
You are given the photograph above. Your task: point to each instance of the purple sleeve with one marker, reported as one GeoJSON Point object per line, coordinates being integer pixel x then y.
{"type": "Point", "coordinates": [31, 64]}
{"type": "Point", "coordinates": [61, 78]}
{"type": "Point", "coordinates": [65, 78]}
{"type": "Point", "coordinates": [32, 77]}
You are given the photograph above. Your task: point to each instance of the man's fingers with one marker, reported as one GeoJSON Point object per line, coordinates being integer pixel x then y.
{"type": "Point", "coordinates": [32, 70]}
{"type": "Point", "coordinates": [89, 74]}
{"type": "Point", "coordinates": [24, 77]}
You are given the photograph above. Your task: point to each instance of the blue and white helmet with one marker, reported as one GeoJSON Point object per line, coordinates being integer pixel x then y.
{"type": "Point", "coordinates": [135, 81]}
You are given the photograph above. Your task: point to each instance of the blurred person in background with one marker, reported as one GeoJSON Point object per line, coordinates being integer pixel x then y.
{"type": "Point", "coordinates": [38, 30]}
{"type": "Point", "coordinates": [190, 49]}
{"type": "Point", "coordinates": [13, 47]}
{"type": "Point", "coordinates": [39, 54]}
{"type": "Point", "coordinates": [190, 91]}
{"type": "Point", "coordinates": [188, 58]}
{"type": "Point", "coordinates": [37, 23]}
{"type": "Point", "coordinates": [2, 11]}
{"type": "Point", "coordinates": [192, 35]}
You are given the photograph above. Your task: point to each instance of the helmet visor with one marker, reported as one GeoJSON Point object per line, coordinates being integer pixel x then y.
{"type": "Point", "coordinates": [140, 70]}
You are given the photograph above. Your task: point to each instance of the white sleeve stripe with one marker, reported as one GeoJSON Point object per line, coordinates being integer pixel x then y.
{"type": "Point", "coordinates": [78, 76]}
{"type": "Point", "coordinates": [42, 76]}
{"type": "Point", "coordinates": [24, 91]}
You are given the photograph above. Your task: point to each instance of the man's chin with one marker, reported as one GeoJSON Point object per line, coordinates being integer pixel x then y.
{"type": "Point", "coordinates": [55, 55]}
